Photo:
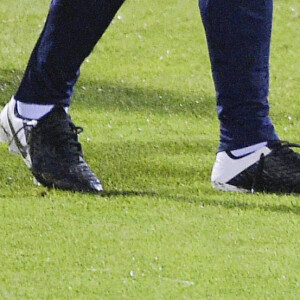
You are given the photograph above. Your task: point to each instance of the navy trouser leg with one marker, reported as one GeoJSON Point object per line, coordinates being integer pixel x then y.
{"type": "Point", "coordinates": [238, 34]}
{"type": "Point", "coordinates": [72, 29]}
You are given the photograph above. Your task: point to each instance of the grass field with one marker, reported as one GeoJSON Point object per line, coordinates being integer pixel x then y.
{"type": "Point", "coordinates": [146, 101]}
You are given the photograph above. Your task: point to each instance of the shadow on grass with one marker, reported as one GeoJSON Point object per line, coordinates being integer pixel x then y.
{"type": "Point", "coordinates": [111, 96]}
{"type": "Point", "coordinates": [236, 204]}
{"type": "Point", "coordinates": [228, 204]}
{"type": "Point", "coordinates": [114, 193]}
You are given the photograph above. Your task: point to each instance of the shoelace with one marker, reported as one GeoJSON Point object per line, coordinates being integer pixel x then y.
{"type": "Point", "coordinates": [284, 144]}
{"type": "Point", "coordinates": [15, 138]}
{"type": "Point", "coordinates": [63, 136]}
{"type": "Point", "coordinates": [258, 183]}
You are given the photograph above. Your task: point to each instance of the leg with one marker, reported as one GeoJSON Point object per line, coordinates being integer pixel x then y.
{"type": "Point", "coordinates": [250, 156]}
{"type": "Point", "coordinates": [238, 35]}
{"type": "Point", "coordinates": [37, 124]}
{"type": "Point", "coordinates": [70, 34]}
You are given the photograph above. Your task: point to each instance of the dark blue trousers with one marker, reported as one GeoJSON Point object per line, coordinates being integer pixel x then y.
{"type": "Point", "coordinates": [72, 29]}
{"type": "Point", "coordinates": [238, 35]}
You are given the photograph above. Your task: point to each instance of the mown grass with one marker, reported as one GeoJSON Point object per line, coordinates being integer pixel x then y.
{"type": "Point", "coordinates": [146, 101]}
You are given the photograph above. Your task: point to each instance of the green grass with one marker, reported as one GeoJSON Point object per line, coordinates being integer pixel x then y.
{"type": "Point", "coordinates": [146, 100]}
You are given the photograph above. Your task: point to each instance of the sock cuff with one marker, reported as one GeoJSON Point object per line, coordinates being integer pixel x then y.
{"type": "Point", "coordinates": [33, 111]}
{"type": "Point", "coordinates": [249, 149]}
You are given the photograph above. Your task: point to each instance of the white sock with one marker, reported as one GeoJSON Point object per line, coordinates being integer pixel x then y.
{"type": "Point", "coordinates": [34, 111]}
{"type": "Point", "coordinates": [249, 149]}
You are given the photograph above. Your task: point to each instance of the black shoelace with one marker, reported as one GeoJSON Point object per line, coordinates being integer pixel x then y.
{"type": "Point", "coordinates": [63, 137]}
